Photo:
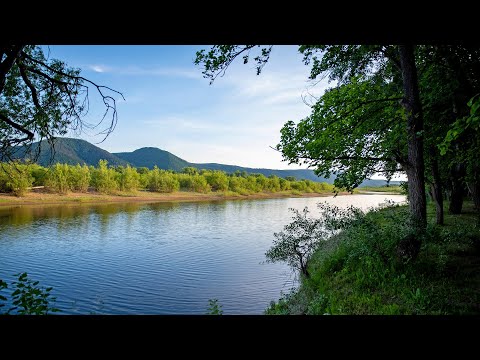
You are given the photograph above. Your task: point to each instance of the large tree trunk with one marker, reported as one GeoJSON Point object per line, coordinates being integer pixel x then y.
{"type": "Point", "coordinates": [415, 169]}
{"type": "Point", "coordinates": [456, 197]}
{"type": "Point", "coordinates": [437, 193]}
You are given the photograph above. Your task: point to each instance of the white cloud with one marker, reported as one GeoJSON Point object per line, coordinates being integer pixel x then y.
{"type": "Point", "coordinates": [147, 71]}
{"type": "Point", "coordinates": [100, 68]}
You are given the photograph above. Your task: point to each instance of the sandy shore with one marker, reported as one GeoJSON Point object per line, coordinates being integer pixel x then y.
{"type": "Point", "coordinates": [42, 198]}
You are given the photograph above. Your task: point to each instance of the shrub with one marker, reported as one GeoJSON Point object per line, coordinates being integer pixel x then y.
{"type": "Point", "coordinates": [273, 184]}
{"type": "Point", "coordinates": [214, 307]}
{"type": "Point", "coordinates": [80, 177]}
{"type": "Point", "coordinates": [217, 180]}
{"type": "Point", "coordinates": [129, 178]}
{"type": "Point", "coordinates": [58, 178]}
{"type": "Point", "coordinates": [162, 181]}
{"type": "Point", "coordinates": [15, 177]}
{"type": "Point", "coordinates": [104, 178]}
{"type": "Point", "coordinates": [39, 174]}
{"type": "Point", "coordinates": [28, 298]}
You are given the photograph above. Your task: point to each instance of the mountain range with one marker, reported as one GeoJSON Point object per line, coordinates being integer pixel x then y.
{"type": "Point", "coordinates": [76, 151]}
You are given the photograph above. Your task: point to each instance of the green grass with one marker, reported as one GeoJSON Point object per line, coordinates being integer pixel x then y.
{"type": "Point", "coordinates": [392, 189]}
{"type": "Point", "coordinates": [359, 271]}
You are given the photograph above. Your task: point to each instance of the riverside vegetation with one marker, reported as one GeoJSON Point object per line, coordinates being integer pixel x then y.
{"type": "Point", "coordinates": [366, 268]}
{"type": "Point", "coordinates": [18, 178]}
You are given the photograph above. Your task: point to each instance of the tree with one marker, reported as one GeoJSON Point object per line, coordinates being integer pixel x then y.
{"type": "Point", "coordinates": [345, 64]}
{"type": "Point", "coordinates": [297, 242]}
{"type": "Point", "coordinates": [42, 98]}
{"type": "Point", "coordinates": [15, 177]}
{"type": "Point", "coordinates": [304, 235]}
{"type": "Point", "coordinates": [129, 178]}
{"type": "Point", "coordinates": [415, 166]}
{"type": "Point", "coordinates": [467, 131]}
{"type": "Point", "coordinates": [355, 130]}
{"type": "Point", "coordinates": [162, 181]}
{"type": "Point", "coordinates": [104, 178]}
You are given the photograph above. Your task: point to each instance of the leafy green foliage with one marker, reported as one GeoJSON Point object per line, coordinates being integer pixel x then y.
{"type": "Point", "coordinates": [218, 180]}
{"type": "Point", "coordinates": [355, 130]}
{"type": "Point", "coordinates": [58, 178]}
{"type": "Point", "coordinates": [359, 271]}
{"type": "Point", "coordinates": [129, 179]}
{"type": "Point", "coordinates": [470, 123]}
{"type": "Point", "coordinates": [28, 298]}
{"type": "Point", "coordinates": [216, 61]}
{"type": "Point", "coordinates": [80, 177]}
{"type": "Point", "coordinates": [304, 235]}
{"type": "Point", "coordinates": [15, 177]}
{"type": "Point", "coordinates": [104, 178]}
{"type": "Point", "coordinates": [63, 178]}
{"type": "Point", "coordinates": [162, 181]}
{"type": "Point", "coordinates": [214, 307]}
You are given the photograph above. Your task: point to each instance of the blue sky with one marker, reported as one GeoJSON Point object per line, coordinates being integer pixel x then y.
{"type": "Point", "coordinates": [171, 106]}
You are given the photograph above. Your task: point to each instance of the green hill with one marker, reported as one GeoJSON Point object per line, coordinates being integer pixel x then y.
{"type": "Point", "coordinates": [150, 156]}
{"type": "Point", "coordinates": [76, 151]}
{"type": "Point", "coordinates": [69, 151]}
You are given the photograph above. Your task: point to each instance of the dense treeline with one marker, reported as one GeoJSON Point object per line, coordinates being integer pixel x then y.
{"type": "Point", "coordinates": [18, 178]}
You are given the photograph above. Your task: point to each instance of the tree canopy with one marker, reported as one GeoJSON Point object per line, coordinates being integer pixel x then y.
{"type": "Point", "coordinates": [390, 108]}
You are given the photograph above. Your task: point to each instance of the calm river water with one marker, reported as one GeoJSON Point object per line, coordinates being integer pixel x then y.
{"type": "Point", "coordinates": [163, 258]}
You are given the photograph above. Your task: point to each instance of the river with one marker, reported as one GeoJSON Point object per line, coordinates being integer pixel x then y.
{"type": "Point", "coordinates": [163, 258]}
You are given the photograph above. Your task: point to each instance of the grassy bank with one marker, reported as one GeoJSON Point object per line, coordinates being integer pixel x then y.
{"type": "Point", "coordinates": [383, 189]}
{"type": "Point", "coordinates": [43, 197]}
{"type": "Point", "coordinates": [359, 271]}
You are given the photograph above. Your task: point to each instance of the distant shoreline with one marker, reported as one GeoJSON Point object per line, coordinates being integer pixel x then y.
{"type": "Point", "coordinates": [43, 198]}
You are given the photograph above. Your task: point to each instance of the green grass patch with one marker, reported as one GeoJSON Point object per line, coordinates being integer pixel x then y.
{"type": "Point", "coordinates": [359, 272]}
{"type": "Point", "coordinates": [390, 189]}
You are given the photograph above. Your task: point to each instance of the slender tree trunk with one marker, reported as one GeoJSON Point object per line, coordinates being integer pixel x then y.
{"type": "Point", "coordinates": [456, 197]}
{"type": "Point", "coordinates": [416, 167]}
{"type": "Point", "coordinates": [475, 190]}
{"type": "Point", "coordinates": [437, 192]}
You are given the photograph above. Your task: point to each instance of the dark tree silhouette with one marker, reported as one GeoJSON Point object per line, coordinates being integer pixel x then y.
{"type": "Point", "coordinates": [41, 98]}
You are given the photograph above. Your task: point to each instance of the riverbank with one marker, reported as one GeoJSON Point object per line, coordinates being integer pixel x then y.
{"type": "Point", "coordinates": [358, 272]}
{"type": "Point", "coordinates": [40, 197]}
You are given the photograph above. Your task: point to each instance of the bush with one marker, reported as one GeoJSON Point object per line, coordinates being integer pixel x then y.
{"type": "Point", "coordinates": [39, 174]}
{"type": "Point", "coordinates": [58, 178]}
{"type": "Point", "coordinates": [284, 184]}
{"type": "Point", "coordinates": [28, 298]}
{"type": "Point", "coordinates": [104, 178]}
{"type": "Point", "coordinates": [299, 185]}
{"type": "Point", "coordinates": [162, 181]}
{"type": "Point", "coordinates": [80, 178]}
{"type": "Point", "coordinates": [15, 177]}
{"type": "Point", "coordinates": [129, 178]}
{"type": "Point", "coordinates": [217, 180]}
{"type": "Point", "coordinates": [273, 184]}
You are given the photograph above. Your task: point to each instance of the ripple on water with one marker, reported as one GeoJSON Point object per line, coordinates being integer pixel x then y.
{"type": "Point", "coordinates": [156, 258]}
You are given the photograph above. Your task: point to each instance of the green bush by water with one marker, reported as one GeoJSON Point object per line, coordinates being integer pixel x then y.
{"type": "Point", "coordinates": [63, 178]}
{"type": "Point", "coordinates": [359, 271]}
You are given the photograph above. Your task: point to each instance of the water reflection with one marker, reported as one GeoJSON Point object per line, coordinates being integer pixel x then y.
{"type": "Point", "coordinates": [157, 258]}
{"type": "Point", "coordinates": [20, 215]}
